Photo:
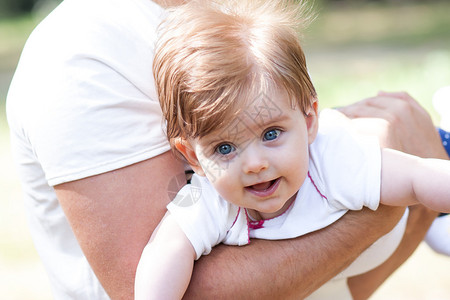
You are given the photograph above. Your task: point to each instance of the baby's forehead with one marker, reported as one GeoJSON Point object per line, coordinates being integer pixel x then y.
{"type": "Point", "coordinates": [250, 116]}
{"type": "Point", "coordinates": [265, 106]}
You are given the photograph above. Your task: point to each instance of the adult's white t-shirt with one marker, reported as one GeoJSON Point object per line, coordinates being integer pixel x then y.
{"type": "Point", "coordinates": [82, 102]}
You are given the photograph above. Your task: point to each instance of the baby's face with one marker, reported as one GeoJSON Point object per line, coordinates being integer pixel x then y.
{"type": "Point", "coordinates": [260, 160]}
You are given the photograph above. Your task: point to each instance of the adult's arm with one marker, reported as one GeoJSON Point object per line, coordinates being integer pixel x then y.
{"type": "Point", "coordinates": [114, 214]}
{"type": "Point", "coordinates": [289, 269]}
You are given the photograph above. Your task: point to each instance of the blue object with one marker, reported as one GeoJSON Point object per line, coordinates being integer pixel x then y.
{"type": "Point", "coordinates": [445, 137]}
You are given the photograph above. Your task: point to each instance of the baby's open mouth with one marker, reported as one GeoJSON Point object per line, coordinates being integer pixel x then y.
{"type": "Point", "coordinates": [262, 186]}
{"type": "Point", "coordinates": [264, 189]}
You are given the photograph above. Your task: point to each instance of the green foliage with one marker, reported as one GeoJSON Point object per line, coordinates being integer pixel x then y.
{"type": "Point", "coordinates": [15, 7]}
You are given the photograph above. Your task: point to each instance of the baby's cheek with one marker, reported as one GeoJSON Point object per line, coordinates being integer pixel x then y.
{"type": "Point", "coordinates": [213, 170]}
{"type": "Point", "coordinates": [226, 188]}
{"type": "Point", "coordinates": [298, 168]}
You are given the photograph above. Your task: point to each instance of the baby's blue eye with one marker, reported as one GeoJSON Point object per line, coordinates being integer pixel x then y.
{"type": "Point", "coordinates": [224, 149]}
{"type": "Point", "coordinates": [271, 134]}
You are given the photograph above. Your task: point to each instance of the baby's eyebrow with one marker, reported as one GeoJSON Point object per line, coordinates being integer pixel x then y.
{"type": "Point", "coordinates": [276, 119]}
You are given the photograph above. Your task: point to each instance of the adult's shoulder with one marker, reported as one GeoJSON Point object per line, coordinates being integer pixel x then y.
{"type": "Point", "coordinates": [99, 24]}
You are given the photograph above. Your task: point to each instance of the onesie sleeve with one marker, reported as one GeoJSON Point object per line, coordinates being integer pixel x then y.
{"type": "Point", "coordinates": [202, 215]}
{"type": "Point", "coordinates": [346, 167]}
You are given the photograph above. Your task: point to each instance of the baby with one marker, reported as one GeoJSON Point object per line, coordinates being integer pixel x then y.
{"type": "Point", "coordinates": [241, 109]}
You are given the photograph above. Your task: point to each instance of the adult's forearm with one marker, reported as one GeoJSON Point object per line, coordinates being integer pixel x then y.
{"type": "Point", "coordinates": [289, 268]}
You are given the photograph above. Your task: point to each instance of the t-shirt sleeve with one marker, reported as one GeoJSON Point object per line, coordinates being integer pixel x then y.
{"type": "Point", "coordinates": [86, 94]}
{"type": "Point", "coordinates": [201, 214]}
{"type": "Point", "coordinates": [346, 167]}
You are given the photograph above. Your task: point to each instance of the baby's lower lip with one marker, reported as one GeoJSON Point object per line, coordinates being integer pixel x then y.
{"type": "Point", "coordinates": [265, 192]}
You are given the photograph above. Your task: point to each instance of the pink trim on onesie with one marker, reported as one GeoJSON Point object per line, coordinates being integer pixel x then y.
{"type": "Point", "coordinates": [237, 215]}
{"type": "Point", "coordinates": [252, 225]}
{"type": "Point", "coordinates": [248, 224]}
{"type": "Point", "coordinates": [314, 184]}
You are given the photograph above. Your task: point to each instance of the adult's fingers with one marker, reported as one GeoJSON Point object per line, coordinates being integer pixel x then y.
{"type": "Point", "coordinates": [368, 108]}
{"type": "Point", "coordinates": [399, 121]}
{"type": "Point", "coordinates": [401, 96]}
{"type": "Point", "coordinates": [390, 106]}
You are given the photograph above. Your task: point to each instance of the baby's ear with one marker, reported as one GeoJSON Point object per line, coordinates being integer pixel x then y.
{"type": "Point", "coordinates": [186, 149]}
{"type": "Point", "coordinates": [312, 121]}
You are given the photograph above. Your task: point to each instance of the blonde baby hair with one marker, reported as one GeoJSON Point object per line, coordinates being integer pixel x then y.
{"type": "Point", "coordinates": [212, 56]}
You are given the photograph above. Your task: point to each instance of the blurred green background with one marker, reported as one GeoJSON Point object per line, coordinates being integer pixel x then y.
{"type": "Point", "coordinates": [354, 49]}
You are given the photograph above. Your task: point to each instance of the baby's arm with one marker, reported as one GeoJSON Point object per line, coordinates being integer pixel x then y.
{"type": "Point", "coordinates": [407, 180]}
{"type": "Point", "coordinates": [166, 264]}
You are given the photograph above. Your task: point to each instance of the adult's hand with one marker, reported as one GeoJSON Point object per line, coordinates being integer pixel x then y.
{"type": "Point", "coordinates": [400, 123]}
